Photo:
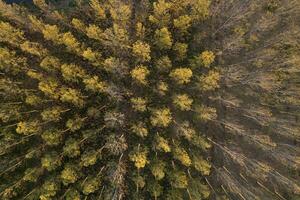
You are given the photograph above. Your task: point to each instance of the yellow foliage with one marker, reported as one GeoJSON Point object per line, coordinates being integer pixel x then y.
{"type": "Point", "coordinates": [181, 155]}
{"type": "Point", "coordinates": [207, 58]}
{"type": "Point", "coordinates": [72, 72]}
{"type": "Point", "coordinates": [68, 175]}
{"type": "Point", "coordinates": [182, 23]}
{"type": "Point", "coordinates": [161, 117]}
{"type": "Point", "coordinates": [140, 74]}
{"type": "Point", "coordinates": [210, 81]}
{"type": "Point", "coordinates": [120, 12]}
{"type": "Point", "coordinates": [161, 15]}
{"type": "Point", "coordinates": [140, 30]}
{"type": "Point", "coordinates": [27, 128]}
{"type": "Point", "coordinates": [71, 42]}
{"type": "Point", "coordinates": [183, 102]}
{"type": "Point", "coordinates": [9, 62]}
{"type": "Point", "coordinates": [50, 63]}
{"type": "Point", "coordinates": [140, 129]}
{"type": "Point", "coordinates": [200, 9]}
{"type": "Point", "coordinates": [141, 50]}
{"type": "Point", "coordinates": [50, 88]}
{"type": "Point", "coordinates": [180, 50]}
{"type": "Point", "coordinates": [10, 34]}
{"type": "Point", "coordinates": [206, 113]}
{"type": "Point", "coordinates": [139, 104]}
{"type": "Point", "coordinates": [98, 9]}
{"type": "Point", "coordinates": [201, 165]}
{"type": "Point", "coordinates": [139, 157]}
{"type": "Point", "coordinates": [36, 23]}
{"type": "Point", "coordinates": [34, 74]}
{"type": "Point", "coordinates": [162, 87]}
{"type": "Point", "coordinates": [182, 75]}
{"type": "Point", "coordinates": [94, 32]}
{"type": "Point", "coordinates": [163, 38]}
{"type": "Point", "coordinates": [184, 129]}
{"type": "Point", "coordinates": [78, 24]}
{"type": "Point", "coordinates": [161, 144]}
{"type": "Point", "coordinates": [72, 96]}
{"type": "Point", "coordinates": [33, 48]}
{"type": "Point", "coordinates": [92, 56]}
{"type": "Point", "coordinates": [51, 32]}
{"type": "Point", "coordinates": [94, 84]}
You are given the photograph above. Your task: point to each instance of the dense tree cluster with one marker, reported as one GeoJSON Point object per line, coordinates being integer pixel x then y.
{"type": "Point", "coordinates": [166, 99]}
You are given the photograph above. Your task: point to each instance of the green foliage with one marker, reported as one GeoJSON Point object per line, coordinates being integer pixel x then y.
{"type": "Point", "coordinates": [174, 194]}
{"type": "Point", "coordinates": [139, 181]}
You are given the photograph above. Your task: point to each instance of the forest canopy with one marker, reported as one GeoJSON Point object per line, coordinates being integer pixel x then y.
{"type": "Point", "coordinates": [150, 99]}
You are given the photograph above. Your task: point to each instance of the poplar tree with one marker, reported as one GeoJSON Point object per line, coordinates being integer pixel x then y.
{"type": "Point", "coordinates": [162, 99]}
